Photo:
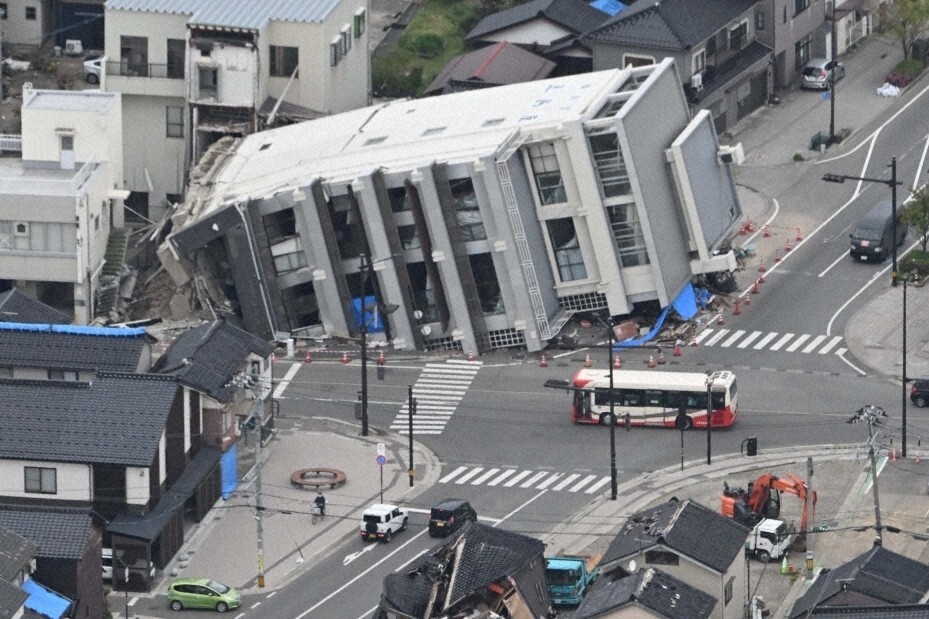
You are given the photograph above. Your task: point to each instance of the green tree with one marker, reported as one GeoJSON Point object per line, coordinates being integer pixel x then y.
{"type": "Point", "coordinates": [916, 215]}
{"type": "Point", "coordinates": [908, 20]}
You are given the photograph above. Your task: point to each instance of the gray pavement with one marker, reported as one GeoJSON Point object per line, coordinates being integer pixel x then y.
{"type": "Point", "coordinates": [770, 137]}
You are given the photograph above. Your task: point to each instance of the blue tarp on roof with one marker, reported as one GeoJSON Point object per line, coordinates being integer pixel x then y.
{"type": "Point", "coordinates": [229, 470]}
{"type": "Point", "coordinates": [685, 304]}
{"type": "Point", "coordinates": [73, 329]}
{"type": "Point", "coordinates": [610, 7]}
{"type": "Point", "coordinates": [45, 601]}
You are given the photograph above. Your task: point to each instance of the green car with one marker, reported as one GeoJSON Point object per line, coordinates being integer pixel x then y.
{"type": "Point", "coordinates": [202, 593]}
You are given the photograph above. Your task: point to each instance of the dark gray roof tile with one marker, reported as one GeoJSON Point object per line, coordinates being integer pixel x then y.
{"type": "Point", "coordinates": [653, 589]}
{"type": "Point", "coordinates": [16, 551]}
{"type": "Point", "coordinates": [17, 307]}
{"type": "Point", "coordinates": [67, 347]}
{"type": "Point", "coordinates": [57, 532]}
{"type": "Point", "coordinates": [502, 63]}
{"type": "Point", "coordinates": [574, 15]}
{"type": "Point", "coordinates": [11, 600]}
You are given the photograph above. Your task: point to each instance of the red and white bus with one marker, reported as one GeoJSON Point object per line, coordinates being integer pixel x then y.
{"type": "Point", "coordinates": [650, 398]}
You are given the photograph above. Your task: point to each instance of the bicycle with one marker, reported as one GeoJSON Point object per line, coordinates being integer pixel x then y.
{"type": "Point", "coordinates": [317, 513]}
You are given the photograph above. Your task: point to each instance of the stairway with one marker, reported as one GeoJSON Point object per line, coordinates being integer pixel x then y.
{"type": "Point", "coordinates": [115, 258]}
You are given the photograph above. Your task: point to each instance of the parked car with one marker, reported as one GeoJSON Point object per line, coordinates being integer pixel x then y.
{"type": "Point", "coordinates": [817, 73]}
{"type": "Point", "coordinates": [92, 70]}
{"type": "Point", "coordinates": [449, 516]}
{"type": "Point", "coordinates": [919, 392]}
{"type": "Point", "coordinates": [202, 593]}
{"type": "Point", "coordinates": [381, 521]}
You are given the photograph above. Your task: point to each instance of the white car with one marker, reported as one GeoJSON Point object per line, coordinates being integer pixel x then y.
{"type": "Point", "coordinates": [381, 521]}
{"type": "Point", "coordinates": [93, 68]}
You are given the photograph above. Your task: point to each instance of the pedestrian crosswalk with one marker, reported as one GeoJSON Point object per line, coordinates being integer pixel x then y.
{"type": "Point", "coordinates": [536, 480]}
{"type": "Point", "coordinates": [438, 392]}
{"type": "Point", "coordinates": [805, 343]}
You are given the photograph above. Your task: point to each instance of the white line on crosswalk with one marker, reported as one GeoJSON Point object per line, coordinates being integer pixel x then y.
{"type": "Point", "coordinates": [764, 341]}
{"type": "Point", "coordinates": [533, 479]}
{"type": "Point", "coordinates": [597, 485]}
{"type": "Point", "coordinates": [564, 483]}
{"type": "Point", "coordinates": [499, 478]}
{"type": "Point", "coordinates": [732, 338]}
{"type": "Point", "coordinates": [798, 342]}
{"type": "Point", "coordinates": [485, 477]}
{"type": "Point", "coordinates": [719, 335]}
{"type": "Point", "coordinates": [784, 339]}
{"type": "Point", "coordinates": [517, 479]}
{"type": "Point", "coordinates": [453, 474]}
{"type": "Point", "coordinates": [582, 483]}
{"type": "Point", "coordinates": [835, 340]}
{"type": "Point", "coordinates": [703, 335]}
{"type": "Point", "coordinates": [814, 344]}
{"type": "Point", "coordinates": [548, 482]}
{"type": "Point", "coordinates": [464, 478]}
{"type": "Point", "coordinates": [749, 339]}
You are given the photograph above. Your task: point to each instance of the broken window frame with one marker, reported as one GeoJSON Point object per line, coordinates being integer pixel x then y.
{"type": "Point", "coordinates": [548, 180]}
{"type": "Point", "coordinates": [284, 60]}
{"type": "Point", "coordinates": [628, 237]}
{"type": "Point", "coordinates": [467, 210]}
{"type": "Point", "coordinates": [566, 249]}
{"type": "Point", "coordinates": [488, 286]}
{"type": "Point", "coordinates": [612, 176]}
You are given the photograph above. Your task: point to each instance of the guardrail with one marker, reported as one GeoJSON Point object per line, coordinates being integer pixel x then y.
{"type": "Point", "coordinates": [11, 143]}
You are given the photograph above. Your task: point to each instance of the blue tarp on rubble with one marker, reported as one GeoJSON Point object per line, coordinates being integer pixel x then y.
{"type": "Point", "coordinates": [229, 471]}
{"type": "Point", "coordinates": [44, 601]}
{"type": "Point", "coordinates": [685, 304]}
{"type": "Point", "coordinates": [372, 317]}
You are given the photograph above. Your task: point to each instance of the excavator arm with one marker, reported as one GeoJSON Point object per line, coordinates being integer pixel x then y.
{"type": "Point", "coordinates": [762, 499]}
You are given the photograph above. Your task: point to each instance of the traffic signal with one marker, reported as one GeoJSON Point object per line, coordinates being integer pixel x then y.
{"type": "Point", "coordinates": [751, 446]}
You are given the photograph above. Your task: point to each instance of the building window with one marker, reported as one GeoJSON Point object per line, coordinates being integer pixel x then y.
{"type": "Point", "coordinates": [62, 375]}
{"type": "Point", "coordinates": [399, 200]}
{"type": "Point", "coordinates": [800, 6]}
{"type": "Point", "coordinates": [488, 287]}
{"type": "Point", "coordinates": [30, 13]}
{"type": "Point", "coordinates": [335, 51]}
{"type": "Point", "coordinates": [346, 35]}
{"type": "Point", "coordinates": [209, 82]}
{"type": "Point", "coordinates": [42, 480]}
{"type": "Point", "coordinates": [3, 10]}
{"type": "Point", "coordinates": [759, 19]}
{"type": "Point", "coordinates": [289, 262]}
{"type": "Point", "coordinates": [738, 36]}
{"type": "Point", "coordinates": [547, 173]}
{"type": "Point", "coordinates": [784, 15]}
{"type": "Point", "coordinates": [802, 51]}
{"type": "Point", "coordinates": [280, 226]}
{"type": "Point", "coordinates": [300, 305]}
{"type": "Point", "coordinates": [633, 60]}
{"type": "Point", "coordinates": [37, 236]}
{"type": "Point", "coordinates": [627, 235]}
{"type": "Point", "coordinates": [661, 557]}
{"type": "Point", "coordinates": [174, 121]}
{"type": "Point", "coordinates": [728, 590]}
{"type": "Point", "coordinates": [409, 237]}
{"type": "Point", "coordinates": [359, 23]}
{"type": "Point", "coordinates": [176, 58]}
{"type": "Point", "coordinates": [6, 372]}
{"type": "Point", "coordinates": [349, 231]}
{"type": "Point", "coordinates": [284, 60]}
{"type": "Point", "coordinates": [467, 210]}
{"type": "Point", "coordinates": [567, 249]}
{"type": "Point", "coordinates": [698, 63]}
{"type": "Point", "coordinates": [609, 164]}
{"type": "Point", "coordinates": [133, 55]}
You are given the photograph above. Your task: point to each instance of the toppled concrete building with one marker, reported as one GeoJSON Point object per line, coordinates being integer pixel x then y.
{"type": "Point", "coordinates": [473, 221]}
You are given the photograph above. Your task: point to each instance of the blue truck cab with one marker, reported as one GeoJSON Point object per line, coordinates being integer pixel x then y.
{"type": "Point", "coordinates": [569, 576]}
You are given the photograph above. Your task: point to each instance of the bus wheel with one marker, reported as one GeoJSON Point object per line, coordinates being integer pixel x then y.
{"type": "Point", "coordinates": [688, 422]}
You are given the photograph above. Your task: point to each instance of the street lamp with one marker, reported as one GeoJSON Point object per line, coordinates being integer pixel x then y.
{"type": "Point", "coordinates": [709, 417]}
{"type": "Point", "coordinates": [892, 183]}
{"type": "Point", "coordinates": [834, 53]}
{"type": "Point", "coordinates": [367, 270]}
{"type": "Point", "coordinates": [609, 367]}
{"type": "Point", "coordinates": [871, 414]}
{"type": "Point", "coordinates": [903, 395]}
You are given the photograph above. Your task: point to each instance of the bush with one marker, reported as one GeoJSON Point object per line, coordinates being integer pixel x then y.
{"type": "Point", "coordinates": [798, 157]}
{"type": "Point", "coordinates": [428, 45]}
{"type": "Point", "coordinates": [390, 84]}
{"type": "Point", "coordinates": [916, 262]}
{"type": "Point", "coordinates": [905, 72]}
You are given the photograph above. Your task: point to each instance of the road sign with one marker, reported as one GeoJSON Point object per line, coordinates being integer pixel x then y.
{"type": "Point", "coordinates": [381, 449]}
{"type": "Point", "coordinates": [381, 460]}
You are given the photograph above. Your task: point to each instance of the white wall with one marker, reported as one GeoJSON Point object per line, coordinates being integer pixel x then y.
{"type": "Point", "coordinates": [17, 30]}
{"type": "Point", "coordinates": [74, 481]}
{"type": "Point", "coordinates": [147, 147]}
{"type": "Point", "coordinates": [137, 485]}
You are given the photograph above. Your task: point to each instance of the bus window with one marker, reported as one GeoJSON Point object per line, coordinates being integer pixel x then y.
{"type": "Point", "coordinates": [695, 399]}
{"type": "Point", "coordinates": [632, 397]}
{"type": "Point", "coordinates": [654, 398]}
{"type": "Point", "coordinates": [582, 403]}
{"type": "Point", "coordinates": [673, 399]}
{"type": "Point", "coordinates": [719, 400]}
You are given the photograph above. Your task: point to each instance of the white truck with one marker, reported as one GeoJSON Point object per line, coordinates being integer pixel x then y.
{"type": "Point", "coordinates": [380, 522]}
{"type": "Point", "coordinates": [769, 539]}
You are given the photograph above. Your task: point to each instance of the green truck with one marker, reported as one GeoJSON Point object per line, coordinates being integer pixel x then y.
{"type": "Point", "coordinates": [569, 576]}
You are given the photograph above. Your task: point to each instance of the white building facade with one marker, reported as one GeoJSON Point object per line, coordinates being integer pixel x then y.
{"type": "Point", "coordinates": [193, 71]}
{"type": "Point", "coordinates": [476, 220]}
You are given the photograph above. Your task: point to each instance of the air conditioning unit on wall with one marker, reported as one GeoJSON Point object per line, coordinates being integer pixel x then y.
{"type": "Point", "coordinates": [734, 154]}
{"type": "Point", "coordinates": [74, 47]}
{"type": "Point", "coordinates": [696, 81]}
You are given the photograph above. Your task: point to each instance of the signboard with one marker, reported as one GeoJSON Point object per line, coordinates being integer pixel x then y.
{"type": "Point", "coordinates": [381, 460]}
{"type": "Point", "coordinates": [381, 449]}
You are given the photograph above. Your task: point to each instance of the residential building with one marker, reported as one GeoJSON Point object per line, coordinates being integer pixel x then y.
{"type": "Point", "coordinates": [722, 63]}
{"type": "Point", "coordinates": [689, 542]}
{"type": "Point", "coordinates": [16, 562]}
{"type": "Point", "coordinates": [550, 28]}
{"type": "Point", "coordinates": [876, 578]}
{"type": "Point", "coordinates": [494, 65]}
{"type": "Point", "coordinates": [60, 202]}
{"type": "Point", "coordinates": [482, 219]}
{"type": "Point", "coordinates": [649, 593]}
{"type": "Point", "coordinates": [210, 361]}
{"type": "Point", "coordinates": [25, 22]}
{"type": "Point", "coordinates": [480, 569]}
{"type": "Point", "coordinates": [193, 71]}
{"type": "Point", "coordinates": [795, 31]}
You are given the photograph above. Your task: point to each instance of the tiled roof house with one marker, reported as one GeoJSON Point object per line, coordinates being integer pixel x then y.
{"type": "Point", "coordinates": [648, 591]}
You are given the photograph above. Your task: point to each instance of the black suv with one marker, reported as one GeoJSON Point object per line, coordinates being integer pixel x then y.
{"type": "Point", "coordinates": [919, 393]}
{"type": "Point", "coordinates": [449, 516]}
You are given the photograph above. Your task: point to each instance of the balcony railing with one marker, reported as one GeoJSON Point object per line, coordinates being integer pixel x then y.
{"type": "Point", "coordinates": [164, 71]}
{"type": "Point", "coordinates": [11, 143]}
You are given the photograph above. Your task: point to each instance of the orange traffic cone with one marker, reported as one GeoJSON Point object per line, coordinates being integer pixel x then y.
{"type": "Point", "coordinates": [917, 457]}
{"type": "Point", "coordinates": [381, 359]}
{"type": "Point", "coordinates": [273, 357]}
{"type": "Point", "coordinates": [661, 359]}
{"type": "Point", "coordinates": [470, 355]}
{"type": "Point", "coordinates": [693, 341]}
{"type": "Point", "coordinates": [720, 320]}
{"type": "Point", "coordinates": [617, 362]}
{"type": "Point", "coordinates": [748, 300]}
{"type": "Point", "coordinates": [308, 357]}
{"type": "Point", "coordinates": [777, 255]}
{"type": "Point", "coordinates": [799, 236]}
{"type": "Point", "coordinates": [893, 455]}
{"type": "Point", "coordinates": [761, 279]}
{"type": "Point", "coordinates": [750, 225]}
{"type": "Point", "coordinates": [756, 288]}
{"type": "Point", "coordinates": [761, 267]}
{"type": "Point", "coordinates": [651, 361]}
{"type": "Point", "coordinates": [736, 310]}
{"type": "Point", "coordinates": [344, 357]}
{"type": "Point", "coordinates": [587, 361]}
{"type": "Point", "coordinates": [787, 247]}
{"type": "Point", "coordinates": [677, 349]}
{"type": "Point", "coordinates": [543, 362]}
{"type": "Point", "coordinates": [766, 233]}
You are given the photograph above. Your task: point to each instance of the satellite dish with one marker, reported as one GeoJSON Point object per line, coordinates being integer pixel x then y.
{"type": "Point", "coordinates": [426, 330]}
{"type": "Point", "coordinates": [632, 566]}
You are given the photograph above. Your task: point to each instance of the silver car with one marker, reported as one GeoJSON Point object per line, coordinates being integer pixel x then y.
{"type": "Point", "coordinates": [817, 73]}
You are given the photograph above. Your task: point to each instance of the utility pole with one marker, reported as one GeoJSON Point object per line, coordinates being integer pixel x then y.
{"type": "Point", "coordinates": [809, 510]}
{"type": "Point", "coordinates": [614, 488]}
{"type": "Point", "coordinates": [871, 414]}
{"type": "Point", "coordinates": [411, 407]}
{"type": "Point", "coordinates": [709, 417]}
{"type": "Point", "coordinates": [365, 266]}
{"type": "Point", "coordinates": [833, 53]}
{"type": "Point", "coordinates": [253, 382]}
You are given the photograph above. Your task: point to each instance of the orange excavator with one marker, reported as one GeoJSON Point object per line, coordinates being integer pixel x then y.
{"type": "Point", "coordinates": [762, 499]}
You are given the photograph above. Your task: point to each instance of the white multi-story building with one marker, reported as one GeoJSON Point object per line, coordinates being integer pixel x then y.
{"type": "Point", "coordinates": [62, 198]}
{"type": "Point", "coordinates": [486, 217]}
{"type": "Point", "coordinates": [193, 71]}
